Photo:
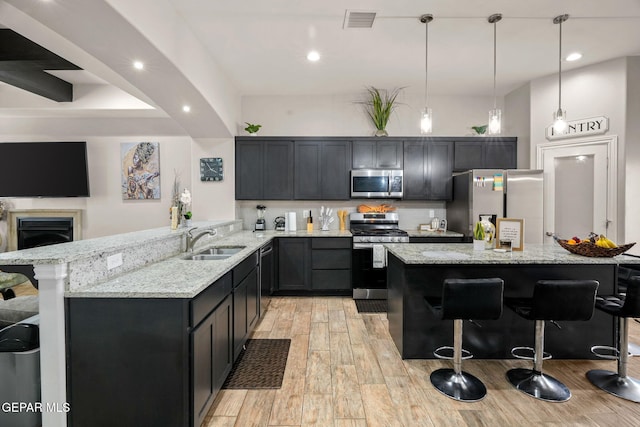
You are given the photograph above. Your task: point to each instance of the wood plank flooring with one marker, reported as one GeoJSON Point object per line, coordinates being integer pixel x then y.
{"type": "Point", "coordinates": [344, 370]}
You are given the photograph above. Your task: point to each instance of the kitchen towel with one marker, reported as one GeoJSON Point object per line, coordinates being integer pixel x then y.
{"type": "Point", "coordinates": [379, 256]}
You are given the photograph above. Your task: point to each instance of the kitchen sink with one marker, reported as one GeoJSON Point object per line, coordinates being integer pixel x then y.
{"type": "Point", "coordinates": [223, 250]}
{"type": "Point", "coordinates": [214, 254]}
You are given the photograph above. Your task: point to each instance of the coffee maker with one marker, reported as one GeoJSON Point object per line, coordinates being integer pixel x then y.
{"type": "Point", "coordinates": [260, 223]}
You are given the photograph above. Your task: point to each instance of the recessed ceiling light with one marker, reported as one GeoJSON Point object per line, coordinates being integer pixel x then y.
{"type": "Point", "coordinates": [186, 108]}
{"type": "Point", "coordinates": [138, 65]}
{"type": "Point", "coordinates": [313, 56]}
{"type": "Point", "coordinates": [574, 56]}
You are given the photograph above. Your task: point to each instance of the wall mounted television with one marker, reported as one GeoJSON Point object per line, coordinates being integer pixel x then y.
{"type": "Point", "coordinates": [43, 169]}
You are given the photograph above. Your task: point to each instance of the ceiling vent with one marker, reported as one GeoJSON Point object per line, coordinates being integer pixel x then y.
{"type": "Point", "coordinates": [358, 19]}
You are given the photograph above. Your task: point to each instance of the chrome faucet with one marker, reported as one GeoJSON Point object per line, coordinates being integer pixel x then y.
{"type": "Point", "coordinates": [191, 239]}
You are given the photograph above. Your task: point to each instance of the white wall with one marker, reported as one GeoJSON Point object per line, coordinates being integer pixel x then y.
{"type": "Point", "coordinates": [517, 122]}
{"type": "Point", "coordinates": [341, 115]}
{"type": "Point", "coordinates": [632, 149]}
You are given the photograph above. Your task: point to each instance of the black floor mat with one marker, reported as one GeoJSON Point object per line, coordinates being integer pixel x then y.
{"type": "Point", "coordinates": [260, 365]}
{"type": "Point", "coordinates": [371, 305]}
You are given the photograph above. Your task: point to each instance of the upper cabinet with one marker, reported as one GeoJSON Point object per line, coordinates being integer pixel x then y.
{"type": "Point", "coordinates": [322, 169]}
{"type": "Point", "coordinates": [428, 164]}
{"type": "Point", "coordinates": [264, 169]}
{"type": "Point", "coordinates": [377, 153]}
{"type": "Point", "coordinates": [485, 153]}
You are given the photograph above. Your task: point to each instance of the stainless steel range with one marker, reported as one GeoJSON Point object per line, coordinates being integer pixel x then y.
{"type": "Point", "coordinates": [369, 257]}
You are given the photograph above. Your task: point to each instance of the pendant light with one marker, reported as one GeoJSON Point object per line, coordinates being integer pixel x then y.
{"type": "Point", "coordinates": [426, 122]}
{"type": "Point", "coordinates": [560, 116]}
{"type": "Point", "coordinates": [495, 116]}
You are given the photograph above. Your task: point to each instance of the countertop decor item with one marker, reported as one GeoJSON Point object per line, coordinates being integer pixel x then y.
{"type": "Point", "coordinates": [591, 250]}
{"type": "Point", "coordinates": [480, 130]}
{"type": "Point", "coordinates": [383, 208]}
{"type": "Point", "coordinates": [252, 128]}
{"type": "Point", "coordinates": [342, 216]}
{"type": "Point", "coordinates": [326, 218]}
{"type": "Point", "coordinates": [379, 107]}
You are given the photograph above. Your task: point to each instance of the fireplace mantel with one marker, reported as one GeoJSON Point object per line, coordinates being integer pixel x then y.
{"type": "Point", "coordinates": [13, 215]}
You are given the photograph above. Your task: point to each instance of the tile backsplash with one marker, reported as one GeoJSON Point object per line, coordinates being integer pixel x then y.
{"type": "Point", "coordinates": [411, 213]}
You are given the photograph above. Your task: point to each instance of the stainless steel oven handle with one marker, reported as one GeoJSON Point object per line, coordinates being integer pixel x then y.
{"type": "Point", "coordinates": [389, 184]}
{"type": "Point", "coordinates": [362, 245]}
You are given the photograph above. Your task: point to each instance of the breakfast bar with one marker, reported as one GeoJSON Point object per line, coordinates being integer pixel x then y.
{"type": "Point", "coordinates": [417, 271]}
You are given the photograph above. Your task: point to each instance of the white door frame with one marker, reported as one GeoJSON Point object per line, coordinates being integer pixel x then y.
{"type": "Point", "coordinates": [611, 143]}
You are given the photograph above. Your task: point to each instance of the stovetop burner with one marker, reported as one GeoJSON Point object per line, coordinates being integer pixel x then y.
{"type": "Point", "coordinates": [378, 228]}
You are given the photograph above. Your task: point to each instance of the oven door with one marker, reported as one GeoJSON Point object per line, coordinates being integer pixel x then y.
{"type": "Point", "coordinates": [368, 282]}
{"type": "Point", "coordinates": [372, 183]}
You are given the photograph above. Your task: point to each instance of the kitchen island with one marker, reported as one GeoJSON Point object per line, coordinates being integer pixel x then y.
{"type": "Point", "coordinates": [417, 271]}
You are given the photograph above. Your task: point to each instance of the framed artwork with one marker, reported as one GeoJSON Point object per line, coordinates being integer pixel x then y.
{"type": "Point", "coordinates": [140, 170]}
{"type": "Point", "coordinates": [211, 169]}
{"type": "Point", "coordinates": [510, 231]}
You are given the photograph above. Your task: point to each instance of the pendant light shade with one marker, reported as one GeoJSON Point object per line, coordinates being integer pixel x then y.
{"type": "Point", "coordinates": [426, 121]}
{"type": "Point", "coordinates": [494, 126]}
{"type": "Point", "coordinates": [560, 116]}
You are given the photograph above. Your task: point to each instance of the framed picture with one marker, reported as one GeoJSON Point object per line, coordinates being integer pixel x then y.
{"type": "Point", "coordinates": [140, 170]}
{"type": "Point", "coordinates": [510, 232]}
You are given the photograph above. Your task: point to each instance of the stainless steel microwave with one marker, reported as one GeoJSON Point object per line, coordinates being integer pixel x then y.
{"type": "Point", "coordinates": [376, 183]}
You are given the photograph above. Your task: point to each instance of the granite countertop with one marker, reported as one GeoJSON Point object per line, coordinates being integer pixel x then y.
{"type": "Point", "coordinates": [176, 277]}
{"type": "Point", "coordinates": [438, 233]}
{"type": "Point", "coordinates": [463, 253]}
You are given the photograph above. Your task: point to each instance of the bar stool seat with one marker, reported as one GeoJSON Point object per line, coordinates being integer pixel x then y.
{"type": "Point", "coordinates": [476, 299]}
{"type": "Point", "coordinates": [552, 300]}
{"type": "Point", "coordinates": [623, 306]}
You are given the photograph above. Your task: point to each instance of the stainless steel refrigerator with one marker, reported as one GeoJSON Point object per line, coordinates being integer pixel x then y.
{"type": "Point", "coordinates": [512, 193]}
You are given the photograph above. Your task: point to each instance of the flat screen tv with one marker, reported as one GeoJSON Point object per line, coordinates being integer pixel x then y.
{"type": "Point", "coordinates": [43, 169]}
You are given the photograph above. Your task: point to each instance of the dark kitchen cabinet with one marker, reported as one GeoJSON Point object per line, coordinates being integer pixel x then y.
{"type": "Point", "coordinates": [294, 261]}
{"type": "Point", "coordinates": [264, 169]}
{"type": "Point", "coordinates": [485, 153]}
{"type": "Point", "coordinates": [428, 165]}
{"type": "Point", "coordinates": [246, 300]}
{"type": "Point", "coordinates": [322, 169]}
{"type": "Point", "coordinates": [212, 357]}
{"type": "Point", "coordinates": [331, 263]}
{"type": "Point", "coordinates": [377, 153]}
{"type": "Point", "coordinates": [109, 343]}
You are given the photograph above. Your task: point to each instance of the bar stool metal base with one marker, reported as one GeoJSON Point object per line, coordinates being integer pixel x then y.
{"type": "Point", "coordinates": [462, 387]}
{"type": "Point", "coordinates": [538, 385]}
{"type": "Point", "coordinates": [626, 388]}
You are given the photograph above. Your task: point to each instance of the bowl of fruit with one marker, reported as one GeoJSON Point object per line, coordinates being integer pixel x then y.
{"type": "Point", "coordinates": [594, 246]}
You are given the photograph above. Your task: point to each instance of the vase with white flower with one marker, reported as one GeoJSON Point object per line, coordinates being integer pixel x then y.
{"type": "Point", "coordinates": [185, 203]}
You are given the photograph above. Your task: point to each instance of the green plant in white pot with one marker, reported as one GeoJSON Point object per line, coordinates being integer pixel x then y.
{"type": "Point", "coordinates": [252, 128]}
{"type": "Point", "coordinates": [379, 106]}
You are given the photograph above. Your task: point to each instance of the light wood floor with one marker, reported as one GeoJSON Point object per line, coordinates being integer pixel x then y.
{"type": "Point", "coordinates": [25, 289]}
{"type": "Point", "coordinates": [344, 370]}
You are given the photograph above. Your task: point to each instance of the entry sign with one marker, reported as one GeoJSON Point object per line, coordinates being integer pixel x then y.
{"type": "Point", "coordinates": [592, 126]}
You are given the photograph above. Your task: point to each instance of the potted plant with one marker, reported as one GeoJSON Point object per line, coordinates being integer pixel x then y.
{"type": "Point", "coordinates": [252, 128]}
{"type": "Point", "coordinates": [187, 217]}
{"type": "Point", "coordinates": [480, 130]}
{"type": "Point", "coordinates": [379, 106]}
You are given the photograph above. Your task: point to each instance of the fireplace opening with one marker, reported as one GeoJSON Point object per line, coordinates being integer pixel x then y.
{"type": "Point", "coordinates": [42, 231]}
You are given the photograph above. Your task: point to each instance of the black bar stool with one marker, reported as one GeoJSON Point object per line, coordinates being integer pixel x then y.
{"type": "Point", "coordinates": [464, 299]}
{"type": "Point", "coordinates": [623, 307]}
{"type": "Point", "coordinates": [552, 300]}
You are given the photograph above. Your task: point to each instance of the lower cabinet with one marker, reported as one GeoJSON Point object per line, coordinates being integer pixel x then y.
{"type": "Point", "coordinates": [157, 361]}
{"type": "Point", "coordinates": [320, 265]}
{"type": "Point", "coordinates": [212, 357]}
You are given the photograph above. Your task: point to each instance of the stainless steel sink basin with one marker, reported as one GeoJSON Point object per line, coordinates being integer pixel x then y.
{"type": "Point", "coordinates": [223, 250]}
{"type": "Point", "coordinates": [206, 257]}
{"type": "Point", "coordinates": [213, 254]}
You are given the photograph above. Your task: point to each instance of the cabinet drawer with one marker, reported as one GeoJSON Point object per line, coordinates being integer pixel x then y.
{"type": "Point", "coordinates": [331, 279]}
{"type": "Point", "coordinates": [241, 270]}
{"type": "Point", "coordinates": [331, 243]}
{"type": "Point", "coordinates": [331, 259]}
{"type": "Point", "coordinates": [208, 299]}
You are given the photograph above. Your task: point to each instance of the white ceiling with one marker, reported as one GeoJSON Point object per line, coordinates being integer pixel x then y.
{"type": "Point", "coordinates": [261, 45]}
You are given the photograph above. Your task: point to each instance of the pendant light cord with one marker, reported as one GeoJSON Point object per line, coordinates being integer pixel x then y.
{"type": "Point", "coordinates": [494, 64]}
{"type": "Point", "coordinates": [426, 60]}
{"type": "Point", "coordinates": [560, 68]}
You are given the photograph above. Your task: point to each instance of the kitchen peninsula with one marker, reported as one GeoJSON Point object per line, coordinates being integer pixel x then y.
{"type": "Point", "coordinates": [417, 271]}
